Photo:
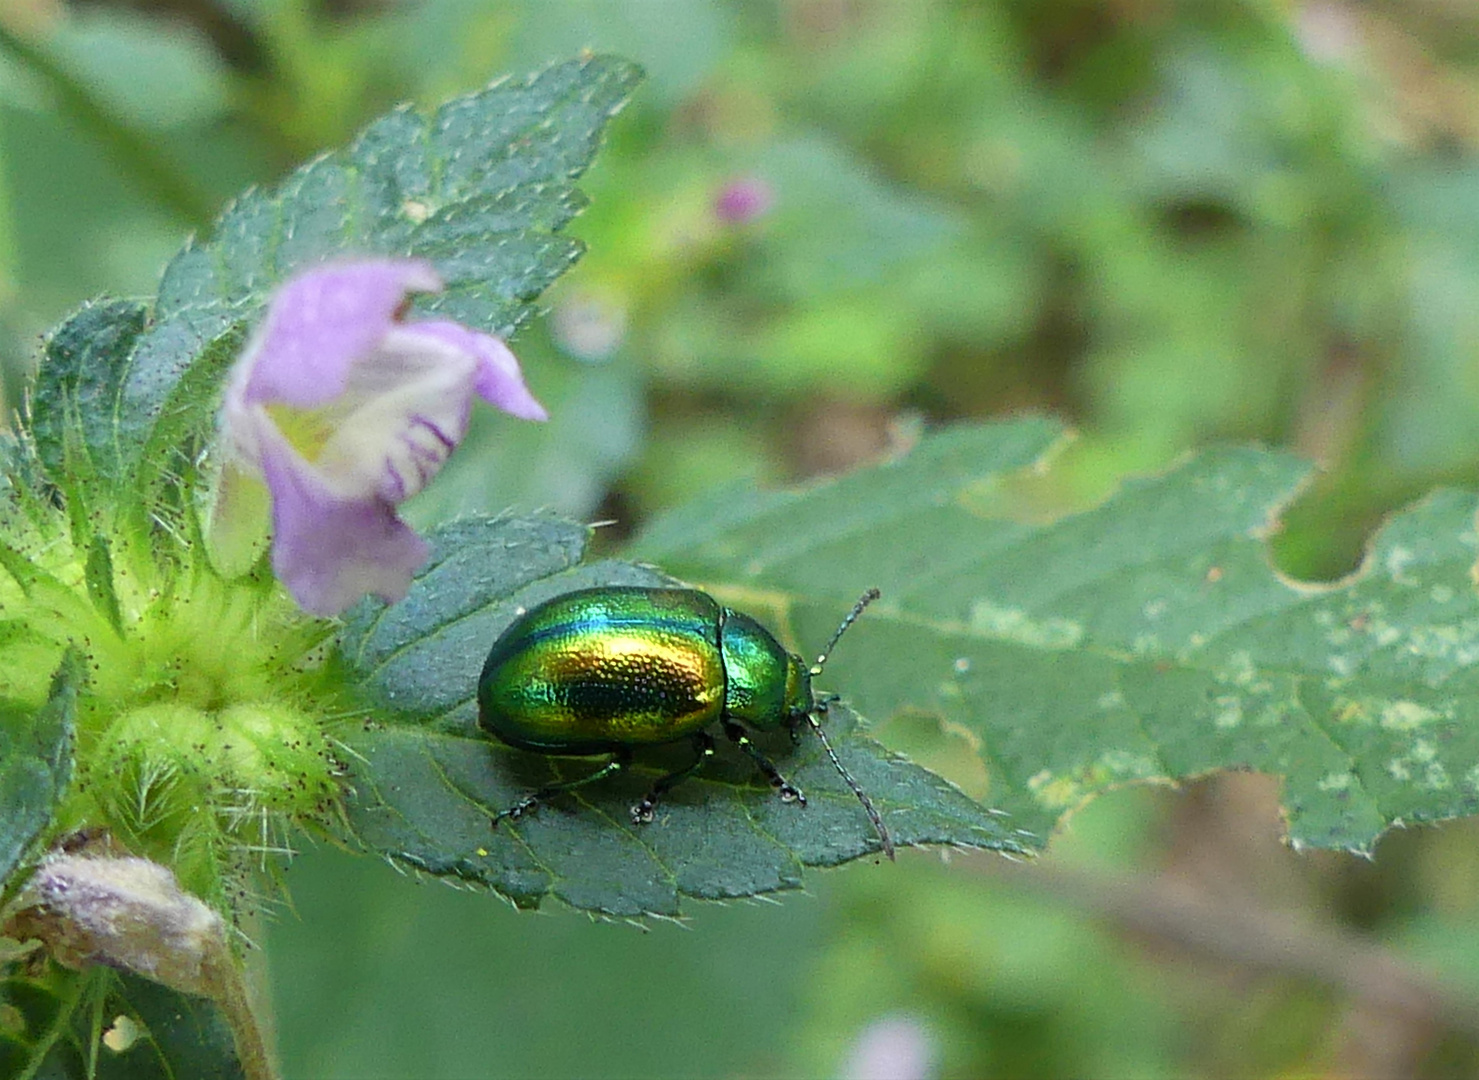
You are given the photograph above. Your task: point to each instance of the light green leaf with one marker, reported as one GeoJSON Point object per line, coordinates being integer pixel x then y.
{"type": "Point", "coordinates": [1148, 639]}
{"type": "Point", "coordinates": [837, 226]}
{"type": "Point", "coordinates": [425, 781]}
{"type": "Point", "coordinates": [98, 574]}
{"type": "Point", "coordinates": [154, 72]}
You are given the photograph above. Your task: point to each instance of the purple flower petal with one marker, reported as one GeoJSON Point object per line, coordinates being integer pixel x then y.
{"type": "Point", "coordinates": [321, 322]}
{"type": "Point", "coordinates": [498, 379]}
{"type": "Point", "coordinates": [327, 549]}
{"type": "Point", "coordinates": [369, 409]}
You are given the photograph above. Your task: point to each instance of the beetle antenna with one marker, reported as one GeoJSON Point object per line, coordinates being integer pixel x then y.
{"type": "Point", "coordinates": [811, 718]}
{"type": "Point", "coordinates": [873, 815]}
{"type": "Point", "coordinates": [852, 617]}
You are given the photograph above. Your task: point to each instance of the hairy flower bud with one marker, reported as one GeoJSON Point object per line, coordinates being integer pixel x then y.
{"type": "Point", "coordinates": [127, 913]}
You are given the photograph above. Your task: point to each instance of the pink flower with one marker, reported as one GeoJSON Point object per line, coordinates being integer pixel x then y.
{"type": "Point", "coordinates": [346, 411]}
{"type": "Point", "coordinates": [743, 200]}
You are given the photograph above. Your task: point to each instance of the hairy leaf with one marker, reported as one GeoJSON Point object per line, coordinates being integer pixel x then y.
{"type": "Point", "coordinates": [71, 407]}
{"type": "Point", "coordinates": [1147, 639]}
{"type": "Point", "coordinates": [482, 188]}
{"type": "Point", "coordinates": [426, 781]}
{"type": "Point", "coordinates": [35, 766]}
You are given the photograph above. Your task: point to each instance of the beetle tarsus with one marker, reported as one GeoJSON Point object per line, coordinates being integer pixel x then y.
{"type": "Point", "coordinates": [791, 793]}
{"type": "Point", "coordinates": [703, 749]}
{"type": "Point", "coordinates": [517, 810]}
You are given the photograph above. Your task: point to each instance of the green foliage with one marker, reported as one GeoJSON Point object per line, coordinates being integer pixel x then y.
{"type": "Point", "coordinates": [1173, 223]}
{"type": "Point", "coordinates": [108, 1025]}
{"type": "Point", "coordinates": [76, 392]}
{"type": "Point", "coordinates": [35, 767]}
{"type": "Point", "coordinates": [1171, 646]}
{"type": "Point", "coordinates": [720, 995]}
{"type": "Point", "coordinates": [426, 781]}
{"type": "Point", "coordinates": [481, 189]}
{"type": "Point", "coordinates": [201, 735]}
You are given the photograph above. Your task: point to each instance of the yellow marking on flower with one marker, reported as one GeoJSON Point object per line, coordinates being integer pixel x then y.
{"type": "Point", "coordinates": [307, 430]}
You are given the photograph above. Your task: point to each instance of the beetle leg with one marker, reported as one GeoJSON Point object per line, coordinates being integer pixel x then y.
{"type": "Point", "coordinates": [788, 791]}
{"type": "Point", "coordinates": [619, 760]}
{"type": "Point", "coordinates": [703, 749]}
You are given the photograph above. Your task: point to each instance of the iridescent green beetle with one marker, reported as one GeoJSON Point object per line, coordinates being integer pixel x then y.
{"type": "Point", "coordinates": [606, 670]}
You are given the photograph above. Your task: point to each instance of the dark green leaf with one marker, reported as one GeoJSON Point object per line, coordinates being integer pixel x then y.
{"type": "Point", "coordinates": [1146, 640]}
{"type": "Point", "coordinates": [426, 798]}
{"type": "Point", "coordinates": [184, 1036]}
{"type": "Point", "coordinates": [75, 396]}
{"type": "Point", "coordinates": [61, 1019]}
{"type": "Point", "coordinates": [35, 765]}
{"type": "Point", "coordinates": [426, 783]}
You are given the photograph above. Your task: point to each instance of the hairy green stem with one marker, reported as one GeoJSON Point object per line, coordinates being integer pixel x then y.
{"type": "Point", "coordinates": [251, 1045]}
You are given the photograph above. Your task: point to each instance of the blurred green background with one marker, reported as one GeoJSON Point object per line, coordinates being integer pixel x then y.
{"type": "Point", "coordinates": [822, 225]}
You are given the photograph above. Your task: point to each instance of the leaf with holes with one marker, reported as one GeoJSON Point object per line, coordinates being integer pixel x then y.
{"type": "Point", "coordinates": [1148, 639]}
{"type": "Point", "coordinates": [77, 1025]}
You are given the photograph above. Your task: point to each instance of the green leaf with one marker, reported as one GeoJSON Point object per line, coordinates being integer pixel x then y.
{"type": "Point", "coordinates": [838, 226]}
{"type": "Point", "coordinates": [150, 71]}
{"type": "Point", "coordinates": [98, 573]}
{"type": "Point", "coordinates": [183, 1035]}
{"type": "Point", "coordinates": [75, 394]}
{"type": "Point", "coordinates": [482, 188]}
{"type": "Point", "coordinates": [1148, 639]}
{"type": "Point", "coordinates": [425, 781]}
{"type": "Point", "coordinates": [35, 765]}
{"type": "Point", "coordinates": [59, 1021]}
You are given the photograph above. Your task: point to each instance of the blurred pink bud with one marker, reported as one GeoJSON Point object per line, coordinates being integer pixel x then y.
{"type": "Point", "coordinates": [743, 200]}
{"type": "Point", "coordinates": [346, 411]}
